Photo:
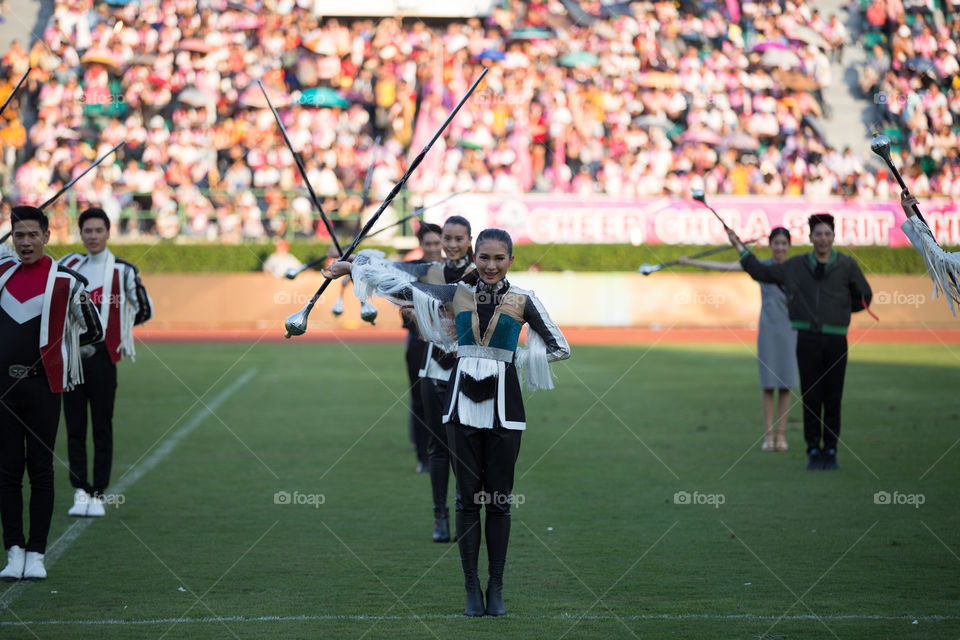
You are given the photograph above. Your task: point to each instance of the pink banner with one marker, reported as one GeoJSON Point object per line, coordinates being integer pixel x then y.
{"type": "Point", "coordinates": [543, 219]}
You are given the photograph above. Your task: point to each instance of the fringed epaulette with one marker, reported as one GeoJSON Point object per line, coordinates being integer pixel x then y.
{"type": "Point", "coordinates": [943, 267]}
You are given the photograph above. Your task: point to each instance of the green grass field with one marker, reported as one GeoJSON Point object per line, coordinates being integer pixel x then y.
{"type": "Point", "coordinates": [600, 548]}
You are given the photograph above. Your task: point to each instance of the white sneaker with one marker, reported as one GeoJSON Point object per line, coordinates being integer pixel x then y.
{"type": "Point", "coordinates": [81, 501]}
{"type": "Point", "coordinates": [34, 569]}
{"type": "Point", "coordinates": [15, 561]}
{"type": "Point", "coordinates": [95, 508]}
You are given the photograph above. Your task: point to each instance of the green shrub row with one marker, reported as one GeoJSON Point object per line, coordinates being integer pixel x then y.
{"type": "Point", "coordinates": [217, 258]}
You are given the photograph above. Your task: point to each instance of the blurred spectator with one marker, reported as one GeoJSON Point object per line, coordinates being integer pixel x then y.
{"type": "Point", "coordinates": [280, 260]}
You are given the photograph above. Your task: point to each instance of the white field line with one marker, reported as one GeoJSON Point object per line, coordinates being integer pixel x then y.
{"type": "Point", "coordinates": [158, 455]}
{"type": "Point", "coordinates": [565, 616]}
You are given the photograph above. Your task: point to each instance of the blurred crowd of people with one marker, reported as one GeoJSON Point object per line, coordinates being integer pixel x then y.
{"type": "Point", "coordinates": [913, 77]}
{"type": "Point", "coordinates": [631, 100]}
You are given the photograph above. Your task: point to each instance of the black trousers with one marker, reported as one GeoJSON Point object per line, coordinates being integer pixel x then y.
{"type": "Point", "coordinates": [822, 360]}
{"type": "Point", "coordinates": [416, 348]}
{"type": "Point", "coordinates": [29, 417]}
{"type": "Point", "coordinates": [98, 390]}
{"type": "Point", "coordinates": [483, 461]}
{"type": "Point", "coordinates": [433, 393]}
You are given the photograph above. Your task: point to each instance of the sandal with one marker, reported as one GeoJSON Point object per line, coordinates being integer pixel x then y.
{"type": "Point", "coordinates": [782, 444]}
{"type": "Point", "coordinates": [768, 445]}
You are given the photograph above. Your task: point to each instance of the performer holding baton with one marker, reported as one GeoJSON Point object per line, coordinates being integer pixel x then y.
{"type": "Point", "coordinates": [823, 287]}
{"type": "Point", "coordinates": [776, 342]}
{"type": "Point", "coordinates": [435, 365]}
{"type": "Point", "coordinates": [45, 316]}
{"type": "Point", "coordinates": [943, 266]}
{"type": "Point", "coordinates": [483, 408]}
{"type": "Point", "coordinates": [428, 236]}
{"type": "Point", "coordinates": [115, 289]}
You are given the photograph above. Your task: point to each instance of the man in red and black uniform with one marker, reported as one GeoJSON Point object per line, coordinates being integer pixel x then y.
{"type": "Point", "coordinates": [45, 315]}
{"type": "Point", "coordinates": [117, 293]}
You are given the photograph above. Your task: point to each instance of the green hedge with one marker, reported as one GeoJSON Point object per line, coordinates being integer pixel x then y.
{"type": "Point", "coordinates": [207, 258]}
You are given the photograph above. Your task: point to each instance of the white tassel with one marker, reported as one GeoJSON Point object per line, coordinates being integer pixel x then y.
{"type": "Point", "coordinates": [74, 368]}
{"type": "Point", "coordinates": [375, 276]}
{"type": "Point", "coordinates": [434, 323]}
{"type": "Point", "coordinates": [533, 362]}
{"type": "Point", "coordinates": [127, 315]}
{"type": "Point", "coordinates": [370, 271]}
{"type": "Point", "coordinates": [477, 414]}
{"type": "Point", "coordinates": [942, 267]}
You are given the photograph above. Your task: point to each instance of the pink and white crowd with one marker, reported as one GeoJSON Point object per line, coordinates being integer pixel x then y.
{"type": "Point", "coordinates": [656, 99]}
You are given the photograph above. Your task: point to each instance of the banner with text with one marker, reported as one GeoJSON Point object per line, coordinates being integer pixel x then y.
{"type": "Point", "coordinates": [551, 218]}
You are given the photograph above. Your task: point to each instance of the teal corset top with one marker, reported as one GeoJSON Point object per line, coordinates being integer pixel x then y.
{"type": "Point", "coordinates": [505, 336]}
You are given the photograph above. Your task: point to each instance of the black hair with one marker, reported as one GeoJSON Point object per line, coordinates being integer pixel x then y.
{"type": "Point", "coordinates": [821, 218]}
{"type": "Point", "coordinates": [463, 222]}
{"type": "Point", "coordinates": [428, 227]}
{"type": "Point", "coordinates": [780, 231]}
{"type": "Point", "coordinates": [24, 213]}
{"type": "Point", "coordinates": [498, 235]}
{"type": "Point", "coordinates": [93, 213]}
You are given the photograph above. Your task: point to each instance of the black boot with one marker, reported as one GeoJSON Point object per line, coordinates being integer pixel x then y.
{"type": "Point", "coordinates": [468, 534]}
{"type": "Point", "coordinates": [441, 525]}
{"type": "Point", "coordinates": [498, 535]}
{"type": "Point", "coordinates": [439, 480]}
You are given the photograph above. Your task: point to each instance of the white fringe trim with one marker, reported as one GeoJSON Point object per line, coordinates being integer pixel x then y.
{"type": "Point", "coordinates": [532, 361]}
{"type": "Point", "coordinates": [128, 314]}
{"type": "Point", "coordinates": [374, 275]}
{"type": "Point", "coordinates": [942, 267]}
{"type": "Point", "coordinates": [477, 414]}
{"type": "Point", "coordinates": [72, 342]}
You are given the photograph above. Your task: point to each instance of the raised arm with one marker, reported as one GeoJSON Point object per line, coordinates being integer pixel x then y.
{"type": "Point", "coordinates": [544, 326]}
{"type": "Point", "coordinates": [416, 269]}
{"type": "Point", "coordinates": [942, 266]}
{"type": "Point", "coordinates": [775, 273]}
{"type": "Point", "coordinates": [710, 264]}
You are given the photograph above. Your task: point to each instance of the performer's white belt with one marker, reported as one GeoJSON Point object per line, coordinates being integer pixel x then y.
{"type": "Point", "coordinates": [490, 353]}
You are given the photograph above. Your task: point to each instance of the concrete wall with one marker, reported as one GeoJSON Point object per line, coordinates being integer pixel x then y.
{"type": "Point", "coordinates": [661, 300]}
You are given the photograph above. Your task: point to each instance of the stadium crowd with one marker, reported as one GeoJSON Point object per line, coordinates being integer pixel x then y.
{"type": "Point", "coordinates": [658, 98]}
{"type": "Point", "coordinates": [913, 77]}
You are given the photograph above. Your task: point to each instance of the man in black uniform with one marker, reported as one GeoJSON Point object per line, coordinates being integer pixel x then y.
{"type": "Point", "coordinates": [117, 293]}
{"type": "Point", "coordinates": [45, 315]}
{"type": "Point", "coordinates": [823, 287]}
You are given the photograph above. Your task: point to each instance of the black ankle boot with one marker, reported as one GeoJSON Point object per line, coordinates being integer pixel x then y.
{"type": "Point", "coordinates": [474, 597]}
{"type": "Point", "coordinates": [495, 596]}
{"type": "Point", "coordinates": [468, 532]}
{"type": "Point", "coordinates": [441, 526]}
{"type": "Point", "coordinates": [498, 536]}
